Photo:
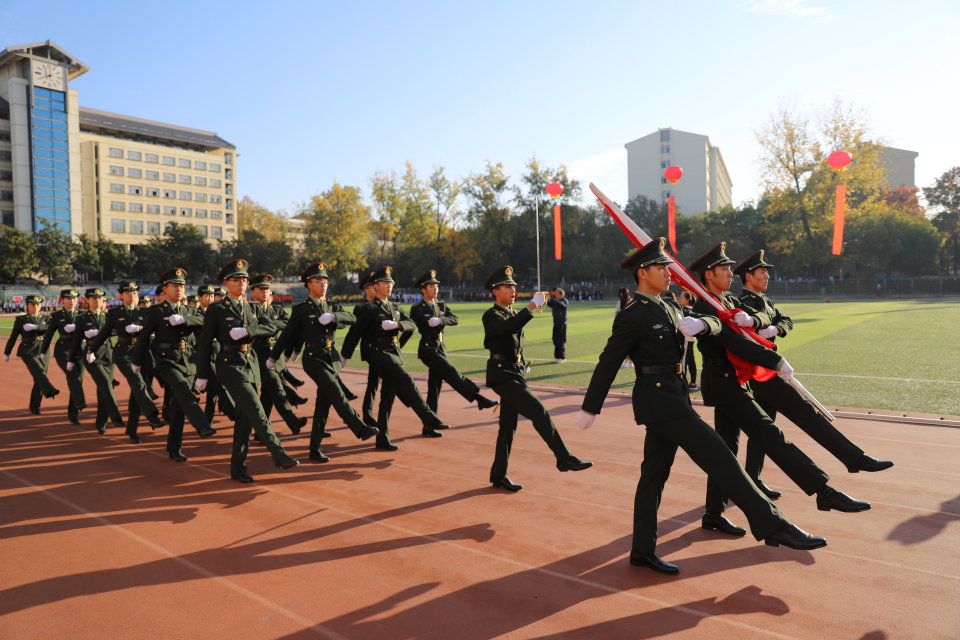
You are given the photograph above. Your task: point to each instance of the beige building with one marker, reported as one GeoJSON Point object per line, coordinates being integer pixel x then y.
{"type": "Point", "coordinates": [900, 167]}
{"type": "Point", "coordinates": [705, 185]}
{"type": "Point", "coordinates": [297, 234]}
{"type": "Point", "coordinates": [100, 173]}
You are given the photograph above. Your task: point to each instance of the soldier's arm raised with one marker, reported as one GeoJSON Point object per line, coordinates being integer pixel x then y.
{"type": "Point", "coordinates": [495, 325]}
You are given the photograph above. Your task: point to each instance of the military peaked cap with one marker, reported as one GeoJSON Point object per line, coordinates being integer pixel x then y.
{"type": "Point", "coordinates": [715, 257]}
{"type": "Point", "coordinates": [33, 298]}
{"type": "Point", "coordinates": [176, 276]}
{"type": "Point", "coordinates": [128, 285]}
{"type": "Point", "coordinates": [96, 292]}
{"type": "Point", "coordinates": [651, 253]}
{"type": "Point", "coordinates": [429, 277]}
{"type": "Point", "coordinates": [315, 270]}
{"type": "Point", "coordinates": [384, 274]}
{"type": "Point", "coordinates": [753, 262]}
{"type": "Point", "coordinates": [503, 275]}
{"type": "Point", "coordinates": [261, 280]}
{"type": "Point", "coordinates": [205, 289]}
{"type": "Point", "coordinates": [234, 268]}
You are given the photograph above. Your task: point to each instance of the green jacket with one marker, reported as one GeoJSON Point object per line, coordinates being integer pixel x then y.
{"type": "Point", "coordinates": [761, 306]}
{"type": "Point", "coordinates": [30, 341]}
{"type": "Point", "coordinates": [172, 346]}
{"type": "Point", "coordinates": [503, 336]}
{"type": "Point", "coordinates": [304, 328]}
{"type": "Point", "coordinates": [237, 361]}
{"type": "Point", "coordinates": [431, 338]}
{"type": "Point", "coordinates": [380, 344]}
{"type": "Point", "coordinates": [116, 324]}
{"type": "Point", "coordinates": [80, 346]}
{"type": "Point", "coordinates": [58, 321]}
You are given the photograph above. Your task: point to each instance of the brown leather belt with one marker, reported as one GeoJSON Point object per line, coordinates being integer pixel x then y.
{"type": "Point", "coordinates": [325, 344]}
{"type": "Point", "coordinates": [242, 348]}
{"type": "Point", "coordinates": [167, 346]}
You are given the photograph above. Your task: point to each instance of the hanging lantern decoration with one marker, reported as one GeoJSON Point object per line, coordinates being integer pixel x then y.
{"type": "Point", "coordinates": [555, 190]}
{"type": "Point", "coordinates": [838, 161]}
{"type": "Point", "coordinates": [672, 174]}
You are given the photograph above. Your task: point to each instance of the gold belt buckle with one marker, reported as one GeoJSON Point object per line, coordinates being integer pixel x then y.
{"type": "Point", "coordinates": [133, 341]}
{"type": "Point", "coordinates": [182, 344]}
{"type": "Point", "coordinates": [518, 358]}
{"type": "Point", "coordinates": [271, 341]}
{"type": "Point", "coordinates": [394, 339]}
{"type": "Point", "coordinates": [327, 343]}
{"type": "Point", "coordinates": [439, 337]}
{"type": "Point", "coordinates": [245, 347]}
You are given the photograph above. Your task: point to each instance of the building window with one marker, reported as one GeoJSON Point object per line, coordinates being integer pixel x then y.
{"type": "Point", "coordinates": [136, 226]}
{"type": "Point", "coordinates": [135, 191]}
{"type": "Point", "coordinates": [184, 163]}
{"type": "Point", "coordinates": [153, 228]}
{"type": "Point", "coordinates": [200, 197]}
{"type": "Point", "coordinates": [186, 195]}
{"type": "Point", "coordinates": [169, 177]}
{"type": "Point", "coordinates": [113, 152]}
{"type": "Point", "coordinates": [202, 228]}
{"type": "Point", "coordinates": [153, 208]}
{"type": "Point", "coordinates": [186, 212]}
{"type": "Point", "coordinates": [118, 226]}
{"type": "Point", "coordinates": [216, 215]}
{"type": "Point", "coordinates": [169, 161]}
{"type": "Point", "coordinates": [5, 136]}
{"type": "Point", "coordinates": [169, 211]}
{"type": "Point", "coordinates": [134, 155]}
{"type": "Point", "coordinates": [134, 173]}
{"type": "Point", "coordinates": [6, 195]}
{"type": "Point", "coordinates": [6, 175]}
{"type": "Point", "coordinates": [214, 167]}
{"type": "Point", "coordinates": [152, 158]}
{"type": "Point", "coordinates": [116, 205]}
{"type": "Point", "coordinates": [228, 204]}
{"type": "Point", "coordinates": [229, 190]}
{"type": "Point", "coordinates": [215, 183]}
{"type": "Point", "coordinates": [5, 155]}
{"type": "Point", "coordinates": [136, 207]}
{"type": "Point", "coordinates": [6, 217]}
{"type": "Point", "coordinates": [200, 182]}
{"type": "Point", "coordinates": [228, 158]}
{"type": "Point", "coordinates": [216, 199]}
{"type": "Point", "coordinates": [216, 232]}
{"type": "Point", "coordinates": [169, 193]}
{"type": "Point", "coordinates": [185, 179]}
{"type": "Point", "coordinates": [665, 148]}
{"type": "Point", "coordinates": [229, 218]}
{"type": "Point", "coordinates": [228, 174]}
{"type": "Point", "coordinates": [153, 175]}
{"type": "Point", "coordinates": [200, 164]}
{"type": "Point", "coordinates": [153, 192]}
{"type": "Point", "coordinates": [200, 213]}
{"type": "Point", "coordinates": [116, 187]}
{"type": "Point", "coordinates": [116, 171]}
{"type": "Point", "coordinates": [664, 164]}
{"type": "Point", "coordinates": [664, 135]}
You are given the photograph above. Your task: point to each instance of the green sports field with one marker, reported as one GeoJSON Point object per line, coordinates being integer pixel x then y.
{"type": "Point", "coordinates": [902, 355]}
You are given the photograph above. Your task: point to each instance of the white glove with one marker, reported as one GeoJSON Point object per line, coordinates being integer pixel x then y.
{"type": "Point", "coordinates": [29, 327]}
{"type": "Point", "coordinates": [91, 333]}
{"type": "Point", "coordinates": [343, 361]}
{"type": "Point", "coordinates": [585, 420]}
{"type": "Point", "coordinates": [539, 298]}
{"type": "Point", "coordinates": [69, 328]}
{"type": "Point", "coordinates": [200, 384]}
{"type": "Point", "coordinates": [769, 332]}
{"type": "Point", "coordinates": [784, 370]}
{"type": "Point", "coordinates": [176, 319]}
{"type": "Point", "coordinates": [91, 357]}
{"type": "Point", "coordinates": [327, 318]}
{"type": "Point", "coordinates": [238, 333]}
{"type": "Point", "coordinates": [389, 325]}
{"type": "Point", "coordinates": [435, 321]}
{"type": "Point", "coordinates": [6, 357]}
{"type": "Point", "coordinates": [271, 364]}
{"type": "Point", "coordinates": [744, 319]}
{"type": "Point", "coordinates": [69, 366]}
{"type": "Point", "coordinates": [690, 327]}
{"type": "Point", "coordinates": [134, 328]}
{"type": "Point", "coordinates": [135, 368]}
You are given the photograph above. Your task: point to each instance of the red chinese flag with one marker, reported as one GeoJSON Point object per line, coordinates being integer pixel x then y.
{"type": "Point", "coordinates": [557, 239]}
{"type": "Point", "coordinates": [672, 223]}
{"type": "Point", "coordinates": [839, 204]}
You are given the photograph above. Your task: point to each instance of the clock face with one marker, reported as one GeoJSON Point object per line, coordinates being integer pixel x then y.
{"type": "Point", "coordinates": [48, 76]}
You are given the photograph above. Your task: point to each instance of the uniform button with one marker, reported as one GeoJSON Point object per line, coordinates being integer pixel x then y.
{"type": "Point", "coordinates": [658, 385]}
{"type": "Point", "coordinates": [661, 337]}
{"type": "Point", "coordinates": [726, 375]}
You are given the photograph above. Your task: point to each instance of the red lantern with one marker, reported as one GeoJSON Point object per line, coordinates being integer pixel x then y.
{"type": "Point", "coordinates": [839, 159]}
{"type": "Point", "coordinates": [554, 189]}
{"type": "Point", "coordinates": [673, 173]}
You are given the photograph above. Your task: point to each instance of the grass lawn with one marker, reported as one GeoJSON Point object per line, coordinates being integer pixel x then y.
{"type": "Point", "coordinates": [902, 355]}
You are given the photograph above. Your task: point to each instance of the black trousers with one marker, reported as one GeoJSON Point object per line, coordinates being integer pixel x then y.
{"type": "Point", "coordinates": [441, 370]}
{"type": "Point", "coordinates": [329, 393]}
{"type": "Point", "coordinates": [516, 399]}
{"type": "Point", "coordinates": [370, 395]}
{"type": "Point", "coordinates": [690, 365]}
{"type": "Point", "coordinates": [183, 405]}
{"type": "Point", "coordinates": [397, 383]}
{"type": "Point", "coordinates": [776, 395]}
{"type": "Point", "coordinates": [74, 384]}
{"type": "Point", "coordinates": [559, 341]}
{"type": "Point", "coordinates": [743, 413]}
{"type": "Point", "coordinates": [106, 403]}
{"type": "Point", "coordinates": [250, 417]}
{"type": "Point", "coordinates": [217, 393]}
{"type": "Point", "coordinates": [709, 452]}
{"type": "Point", "coordinates": [273, 394]}
{"type": "Point", "coordinates": [41, 383]}
{"type": "Point", "coordinates": [139, 403]}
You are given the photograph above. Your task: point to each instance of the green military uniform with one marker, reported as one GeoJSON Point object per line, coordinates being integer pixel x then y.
{"type": "Point", "coordinates": [383, 348]}
{"type": "Point", "coordinates": [777, 395]}
{"type": "Point", "coordinates": [431, 319]}
{"type": "Point", "coordinates": [647, 330]}
{"type": "Point", "coordinates": [734, 404]}
{"type": "Point", "coordinates": [65, 323]}
{"type": "Point", "coordinates": [125, 323]}
{"type": "Point", "coordinates": [272, 391]}
{"type": "Point", "coordinates": [98, 360]}
{"type": "Point", "coordinates": [373, 380]}
{"type": "Point", "coordinates": [30, 328]}
{"type": "Point", "coordinates": [216, 393]}
{"type": "Point", "coordinates": [503, 336]}
{"type": "Point", "coordinates": [147, 371]}
{"type": "Point", "coordinates": [171, 327]}
{"type": "Point", "coordinates": [314, 323]}
{"type": "Point", "coordinates": [233, 323]}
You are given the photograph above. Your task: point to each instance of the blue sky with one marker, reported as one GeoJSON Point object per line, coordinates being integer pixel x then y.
{"type": "Point", "coordinates": [312, 92]}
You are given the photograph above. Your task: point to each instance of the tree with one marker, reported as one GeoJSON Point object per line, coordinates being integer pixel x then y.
{"type": "Point", "coordinates": [86, 258]}
{"type": "Point", "coordinates": [407, 220]}
{"type": "Point", "coordinates": [904, 199]}
{"type": "Point", "coordinates": [881, 240]}
{"type": "Point", "coordinates": [251, 215]}
{"type": "Point", "coordinates": [944, 198]}
{"type": "Point", "coordinates": [18, 257]}
{"type": "Point", "coordinates": [265, 256]}
{"type": "Point", "coordinates": [337, 227]}
{"type": "Point", "coordinates": [54, 253]}
{"type": "Point", "coordinates": [115, 261]}
{"type": "Point", "coordinates": [182, 245]}
{"type": "Point", "coordinates": [445, 194]}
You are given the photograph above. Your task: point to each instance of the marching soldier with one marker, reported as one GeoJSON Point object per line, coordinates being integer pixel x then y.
{"type": "Point", "coordinates": [171, 327]}
{"type": "Point", "coordinates": [558, 304]}
{"type": "Point", "coordinates": [776, 395]}
{"type": "Point", "coordinates": [64, 322]}
{"type": "Point", "coordinates": [651, 332]}
{"type": "Point", "coordinates": [373, 381]}
{"type": "Point", "coordinates": [98, 358]}
{"type": "Point", "coordinates": [381, 326]}
{"type": "Point", "coordinates": [314, 323]}
{"type": "Point", "coordinates": [124, 322]}
{"type": "Point", "coordinates": [144, 303]}
{"type": "Point", "coordinates": [431, 317]}
{"type": "Point", "coordinates": [735, 409]}
{"type": "Point", "coordinates": [503, 336]}
{"type": "Point", "coordinates": [216, 393]}
{"type": "Point", "coordinates": [30, 327]}
{"type": "Point", "coordinates": [272, 392]}
{"type": "Point", "coordinates": [192, 301]}
{"type": "Point", "coordinates": [233, 323]}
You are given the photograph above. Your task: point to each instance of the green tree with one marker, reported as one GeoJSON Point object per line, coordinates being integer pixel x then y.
{"type": "Point", "coordinates": [337, 228]}
{"type": "Point", "coordinates": [115, 261]}
{"type": "Point", "coordinates": [86, 258]}
{"type": "Point", "coordinates": [944, 199]}
{"type": "Point", "coordinates": [445, 194]}
{"type": "Point", "coordinates": [251, 215]}
{"type": "Point", "coordinates": [54, 253]}
{"type": "Point", "coordinates": [182, 245]}
{"type": "Point", "coordinates": [265, 256]}
{"type": "Point", "coordinates": [878, 239]}
{"type": "Point", "coordinates": [18, 256]}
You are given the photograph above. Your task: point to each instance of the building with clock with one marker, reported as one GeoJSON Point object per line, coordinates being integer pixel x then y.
{"type": "Point", "coordinates": [100, 173]}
